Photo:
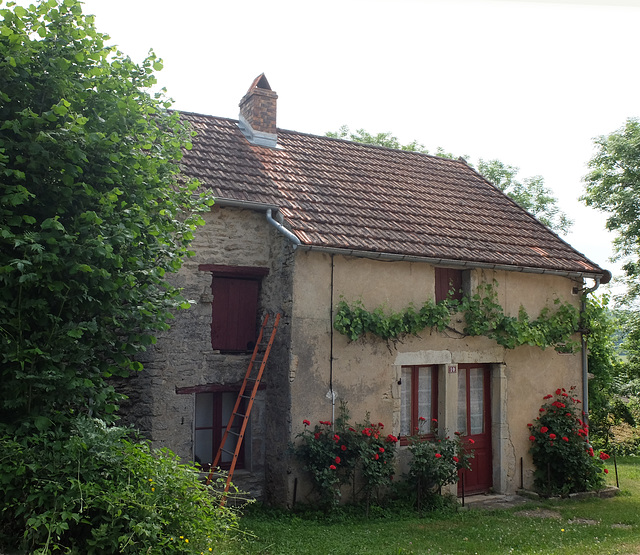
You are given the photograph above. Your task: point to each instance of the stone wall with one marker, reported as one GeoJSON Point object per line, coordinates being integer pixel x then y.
{"type": "Point", "coordinates": [183, 357]}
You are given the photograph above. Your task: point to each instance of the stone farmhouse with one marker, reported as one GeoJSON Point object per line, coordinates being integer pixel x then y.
{"type": "Point", "coordinates": [302, 222]}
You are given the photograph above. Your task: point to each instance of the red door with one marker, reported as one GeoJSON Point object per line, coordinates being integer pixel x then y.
{"type": "Point", "coordinates": [474, 422]}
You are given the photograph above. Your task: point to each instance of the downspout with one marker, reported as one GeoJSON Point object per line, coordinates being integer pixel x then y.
{"type": "Point", "coordinates": [331, 392]}
{"type": "Point", "coordinates": [282, 229]}
{"type": "Point", "coordinates": [583, 342]}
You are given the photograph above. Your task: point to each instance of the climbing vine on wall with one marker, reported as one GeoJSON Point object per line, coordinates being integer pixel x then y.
{"type": "Point", "coordinates": [483, 315]}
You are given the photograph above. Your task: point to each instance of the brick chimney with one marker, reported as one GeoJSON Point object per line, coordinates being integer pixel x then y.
{"type": "Point", "coordinates": [258, 113]}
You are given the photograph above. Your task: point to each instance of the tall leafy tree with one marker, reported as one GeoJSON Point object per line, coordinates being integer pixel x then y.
{"type": "Point", "coordinates": [530, 193]}
{"type": "Point", "coordinates": [613, 186]}
{"type": "Point", "coordinates": [92, 213]}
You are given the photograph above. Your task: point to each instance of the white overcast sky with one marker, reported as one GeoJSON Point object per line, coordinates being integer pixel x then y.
{"type": "Point", "coordinates": [527, 82]}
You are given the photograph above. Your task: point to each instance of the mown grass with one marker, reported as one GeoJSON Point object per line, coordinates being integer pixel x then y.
{"type": "Point", "coordinates": [617, 528]}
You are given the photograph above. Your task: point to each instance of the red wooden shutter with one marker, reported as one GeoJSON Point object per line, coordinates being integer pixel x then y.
{"type": "Point", "coordinates": [448, 279]}
{"type": "Point", "coordinates": [235, 306]}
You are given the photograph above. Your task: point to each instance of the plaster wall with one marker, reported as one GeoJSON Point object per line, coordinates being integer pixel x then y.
{"type": "Point", "coordinates": [366, 373]}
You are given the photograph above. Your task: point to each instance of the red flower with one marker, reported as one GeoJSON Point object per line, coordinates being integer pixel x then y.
{"type": "Point", "coordinates": [306, 423]}
{"type": "Point", "coordinates": [456, 459]}
{"type": "Point", "coordinates": [604, 456]}
{"type": "Point", "coordinates": [569, 414]}
{"type": "Point", "coordinates": [376, 457]}
{"type": "Point", "coordinates": [552, 436]}
{"type": "Point", "coordinates": [336, 438]}
{"type": "Point", "coordinates": [352, 429]}
{"type": "Point", "coordinates": [337, 460]}
{"type": "Point", "coordinates": [434, 420]}
{"type": "Point", "coordinates": [544, 429]}
{"type": "Point", "coordinates": [532, 438]}
{"type": "Point", "coordinates": [391, 439]}
{"type": "Point", "coordinates": [565, 395]}
{"type": "Point", "coordinates": [565, 438]}
{"type": "Point", "coordinates": [558, 404]}
{"type": "Point", "coordinates": [343, 447]}
{"type": "Point", "coordinates": [529, 425]}
{"type": "Point", "coordinates": [316, 435]}
{"type": "Point", "coordinates": [422, 419]}
{"type": "Point", "coordinates": [541, 409]}
{"type": "Point", "coordinates": [380, 425]}
{"type": "Point", "coordinates": [438, 456]}
{"type": "Point", "coordinates": [558, 391]}
{"type": "Point", "coordinates": [471, 441]}
{"type": "Point", "coordinates": [547, 396]}
{"type": "Point", "coordinates": [366, 432]}
{"type": "Point", "coordinates": [381, 449]}
{"type": "Point", "coordinates": [332, 466]}
{"type": "Point", "coordinates": [590, 451]}
{"type": "Point", "coordinates": [606, 471]}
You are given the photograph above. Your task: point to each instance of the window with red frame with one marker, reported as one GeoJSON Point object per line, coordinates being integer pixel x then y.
{"type": "Point", "coordinates": [448, 284]}
{"type": "Point", "coordinates": [213, 410]}
{"type": "Point", "coordinates": [419, 399]}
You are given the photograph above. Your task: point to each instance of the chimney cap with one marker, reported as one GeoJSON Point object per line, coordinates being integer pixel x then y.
{"type": "Point", "coordinates": [260, 82]}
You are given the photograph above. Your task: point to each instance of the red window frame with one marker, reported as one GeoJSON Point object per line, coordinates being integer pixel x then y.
{"type": "Point", "coordinates": [448, 280]}
{"type": "Point", "coordinates": [217, 428]}
{"type": "Point", "coordinates": [414, 399]}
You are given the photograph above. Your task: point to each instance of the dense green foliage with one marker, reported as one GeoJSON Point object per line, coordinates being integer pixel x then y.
{"type": "Point", "coordinates": [483, 316]}
{"type": "Point", "coordinates": [613, 186]}
{"type": "Point", "coordinates": [530, 193]}
{"type": "Point", "coordinates": [94, 489]}
{"type": "Point", "coordinates": [436, 461]}
{"type": "Point", "coordinates": [565, 461]}
{"type": "Point", "coordinates": [92, 215]}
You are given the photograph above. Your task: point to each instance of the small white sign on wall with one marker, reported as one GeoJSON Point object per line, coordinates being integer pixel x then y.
{"type": "Point", "coordinates": [453, 369]}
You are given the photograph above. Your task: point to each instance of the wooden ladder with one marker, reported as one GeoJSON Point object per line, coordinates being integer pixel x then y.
{"type": "Point", "coordinates": [236, 412]}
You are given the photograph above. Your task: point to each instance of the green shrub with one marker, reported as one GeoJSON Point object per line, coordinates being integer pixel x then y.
{"type": "Point", "coordinates": [565, 461]}
{"type": "Point", "coordinates": [435, 461]}
{"type": "Point", "coordinates": [94, 489]}
{"type": "Point", "coordinates": [340, 454]}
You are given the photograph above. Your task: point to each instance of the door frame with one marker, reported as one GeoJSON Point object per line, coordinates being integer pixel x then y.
{"type": "Point", "coordinates": [484, 441]}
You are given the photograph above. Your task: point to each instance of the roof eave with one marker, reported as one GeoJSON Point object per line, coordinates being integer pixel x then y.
{"type": "Point", "coordinates": [603, 276]}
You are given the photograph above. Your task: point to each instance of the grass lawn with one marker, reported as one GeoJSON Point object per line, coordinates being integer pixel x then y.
{"type": "Point", "coordinates": [599, 526]}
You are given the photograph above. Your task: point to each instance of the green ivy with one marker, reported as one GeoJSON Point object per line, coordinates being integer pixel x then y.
{"type": "Point", "coordinates": [482, 313]}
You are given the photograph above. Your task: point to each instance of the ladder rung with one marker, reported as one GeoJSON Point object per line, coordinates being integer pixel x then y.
{"type": "Point", "coordinates": [227, 452]}
{"type": "Point", "coordinates": [240, 415]}
{"type": "Point", "coordinates": [237, 434]}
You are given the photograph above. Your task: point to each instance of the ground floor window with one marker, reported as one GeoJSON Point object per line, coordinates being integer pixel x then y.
{"type": "Point", "coordinates": [419, 399]}
{"type": "Point", "coordinates": [213, 410]}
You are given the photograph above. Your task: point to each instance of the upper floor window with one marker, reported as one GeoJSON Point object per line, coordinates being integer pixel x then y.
{"type": "Point", "coordinates": [448, 284]}
{"type": "Point", "coordinates": [234, 311]}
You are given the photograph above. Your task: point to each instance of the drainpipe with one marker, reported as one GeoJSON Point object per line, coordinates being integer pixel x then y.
{"type": "Point", "coordinates": [283, 230]}
{"type": "Point", "coordinates": [583, 341]}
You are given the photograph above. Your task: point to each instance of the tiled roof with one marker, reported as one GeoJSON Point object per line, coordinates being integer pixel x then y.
{"type": "Point", "coordinates": [346, 195]}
